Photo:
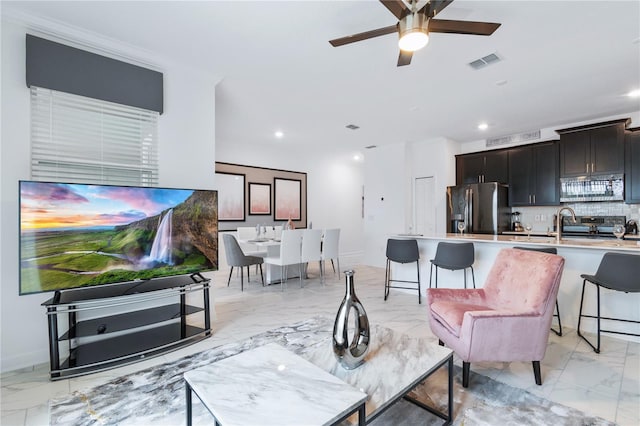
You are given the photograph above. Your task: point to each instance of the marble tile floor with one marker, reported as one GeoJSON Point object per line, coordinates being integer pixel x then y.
{"type": "Point", "coordinates": [605, 384]}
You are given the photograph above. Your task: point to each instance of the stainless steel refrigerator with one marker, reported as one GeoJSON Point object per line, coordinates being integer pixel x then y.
{"type": "Point", "coordinates": [483, 207]}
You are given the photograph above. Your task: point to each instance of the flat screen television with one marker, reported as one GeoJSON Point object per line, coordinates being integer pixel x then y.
{"type": "Point", "coordinates": [79, 235]}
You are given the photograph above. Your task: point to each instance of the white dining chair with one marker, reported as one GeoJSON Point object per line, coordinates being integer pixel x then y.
{"type": "Point", "coordinates": [311, 248]}
{"type": "Point", "coordinates": [290, 251]}
{"type": "Point", "coordinates": [273, 232]}
{"type": "Point", "coordinates": [277, 232]}
{"type": "Point", "coordinates": [245, 234]}
{"type": "Point", "coordinates": [330, 248]}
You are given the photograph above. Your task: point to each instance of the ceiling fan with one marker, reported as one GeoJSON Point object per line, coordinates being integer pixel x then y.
{"type": "Point", "coordinates": [415, 22]}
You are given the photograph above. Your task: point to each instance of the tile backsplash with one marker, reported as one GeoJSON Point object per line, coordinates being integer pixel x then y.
{"type": "Point", "coordinates": [541, 218]}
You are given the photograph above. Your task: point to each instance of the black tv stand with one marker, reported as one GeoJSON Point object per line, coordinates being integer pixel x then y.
{"type": "Point", "coordinates": [112, 325]}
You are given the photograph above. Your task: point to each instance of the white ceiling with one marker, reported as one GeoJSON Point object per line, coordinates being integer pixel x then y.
{"type": "Point", "coordinates": [563, 62]}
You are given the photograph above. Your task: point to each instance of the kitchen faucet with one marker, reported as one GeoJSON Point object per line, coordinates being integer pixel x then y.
{"type": "Point", "coordinates": [559, 221]}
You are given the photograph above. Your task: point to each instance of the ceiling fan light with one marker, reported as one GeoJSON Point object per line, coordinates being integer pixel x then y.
{"type": "Point", "coordinates": [414, 40]}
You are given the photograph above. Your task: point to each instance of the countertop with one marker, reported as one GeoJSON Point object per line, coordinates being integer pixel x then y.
{"type": "Point", "coordinates": [545, 240]}
{"type": "Point", "coordinates": [630, 237]}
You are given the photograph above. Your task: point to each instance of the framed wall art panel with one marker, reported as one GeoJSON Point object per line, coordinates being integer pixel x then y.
{"type": "Point", "coordinates": [231, 197]}
{"type": "Point", "coordinates": [288, 199]}
{"type": "Point", "coordinates": [259, 198]}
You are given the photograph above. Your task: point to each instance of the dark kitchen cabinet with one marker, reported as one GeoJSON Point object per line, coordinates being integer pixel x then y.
{"type": "Point", "coordinates": [596, 149]}
{"type": "Point", "coordinates": [488, 166]}
{"type": "Point", "coordinates": [632, 166]}
{"type": "Point", "coordinates": [533, 175]}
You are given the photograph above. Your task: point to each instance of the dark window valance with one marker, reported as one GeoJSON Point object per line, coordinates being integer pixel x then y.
{"type": "Point", "coordinates": [67, 69]}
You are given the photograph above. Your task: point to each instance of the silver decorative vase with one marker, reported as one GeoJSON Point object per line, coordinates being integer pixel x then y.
{"type": "Point", "coordinates": [351, 354]}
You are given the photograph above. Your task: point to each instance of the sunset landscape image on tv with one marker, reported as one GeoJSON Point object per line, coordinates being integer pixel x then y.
{"type": "Point", "coordinates": [76, 235]}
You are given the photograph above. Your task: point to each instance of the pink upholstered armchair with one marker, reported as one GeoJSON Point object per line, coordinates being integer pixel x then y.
{"type": "Point", "coordinates": [506, 320]}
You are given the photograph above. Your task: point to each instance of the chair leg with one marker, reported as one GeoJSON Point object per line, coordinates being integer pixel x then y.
{"type": "Point", "coordinates": [465, 374]}
{"type": "Point", "coordinates": [536, 372]}
{"type": "Point", "coordinates": [338, 262]}
{"type": "Point", "coordinates": [598, 296]}
{"type": "Point", "coordinates": [464, 271]}
{"type": "Point", "coordinates": [300, 269]}
{"type": "Point", "coordinates": [261, 276]}
{"type": "Point", "coordinates": [430, 274]}
{"type": "Point", "coordinates": [559, 330]}
{"type": "Point", "coordinates": [241, 278]}
{"type": "Point", "coordinates": [597, 350]}
{"type": "Point", "coordinates": [283, 271]}
{"type": "Point", "coordinates": [440, 342]}
{"type": "Point", "coordinates": [386, 280]}
{"type": "Point", "coordinates": [248, 274]}
{"type": "Point", "coordinates": [229, 280]}
{"type": "Point", "coordinates": [419, 293]}
{"type": "Point", "coordinates": [473, 277]}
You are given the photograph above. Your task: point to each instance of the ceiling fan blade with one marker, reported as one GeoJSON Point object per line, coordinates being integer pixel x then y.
{"type": "Point", "coordinates": [433, 7]}
{"type": "Point", "coordinates": [397, 7]}
{"type": "Point", "coordinates": [404, 58]}
{"type": "Point", "coordinates": [363, 36]}
{"type": "Point", "coordinates": [462, 27]}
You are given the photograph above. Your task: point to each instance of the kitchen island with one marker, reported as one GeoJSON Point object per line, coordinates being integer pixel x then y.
{"type": "Point", "coordinates": [582, 256]}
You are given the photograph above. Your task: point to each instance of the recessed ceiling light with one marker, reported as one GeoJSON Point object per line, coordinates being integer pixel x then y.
{"type": "Point", "coordinates": [278, 134]}
{"type": "Point", "coordinates": [634, 93]}
{"type": "Point", "coordinates": [501, 82]}
{"type": "Point", "coordinates": [356, 157]}
{"type": "Point", "coordinates": [483, 126]}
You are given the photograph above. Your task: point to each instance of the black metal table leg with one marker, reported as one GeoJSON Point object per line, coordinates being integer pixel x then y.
{"type": "Point", "coordinates": [189, 406]}
{"type": "Point", "coordinates": [362, 421]}
{"type": "Point", "coordinates": [448, 416]}
{"type": "Point", "coordinates": [450, 409]}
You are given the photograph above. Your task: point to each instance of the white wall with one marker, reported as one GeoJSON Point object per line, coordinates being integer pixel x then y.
{"type": "Point", "coordinates": [187, 146]}
{"type": "Point", "coordinates": [389, 173]}
{"type": "Point", "coordinates": [435, 158]}
{"type": "Point", "coordinates": [386, 181]}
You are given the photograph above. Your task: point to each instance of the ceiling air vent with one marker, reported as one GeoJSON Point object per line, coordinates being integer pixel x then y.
{"type": "Point", "coordinates": [520, 137]}
{"type": "Point", "coordinates": [370, 146]}
{"type": "Point", "coordinates": [484, 61]}
{"type": "Point", "coordinates": [352, 126]}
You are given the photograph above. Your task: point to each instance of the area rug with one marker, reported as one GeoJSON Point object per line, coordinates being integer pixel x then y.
{"type": "Point", "coordinates": [156, 396]}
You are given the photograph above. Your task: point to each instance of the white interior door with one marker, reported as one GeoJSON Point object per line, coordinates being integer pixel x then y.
{"type": "Point", "coordinates": [424, 206]}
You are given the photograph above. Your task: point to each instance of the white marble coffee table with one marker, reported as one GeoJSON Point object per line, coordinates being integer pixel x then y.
{"type": "Point", "coordinates": [394, 366]}
{"type": "Point", "coordinates": [270, 385]}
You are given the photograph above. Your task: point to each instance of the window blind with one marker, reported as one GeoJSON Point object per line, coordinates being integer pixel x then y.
{"type": "Point", "coordinates": [83, 140]}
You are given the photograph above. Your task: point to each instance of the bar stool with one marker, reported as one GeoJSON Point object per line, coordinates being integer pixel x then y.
{"type": "Point", "coordinates": [401, 251]}
{"type": "Point", "coordinates": [454, 256]}
{"type": "Point", "coordinates": [551, 250]}
{"type": "Point", "coordinates": [619, 272]}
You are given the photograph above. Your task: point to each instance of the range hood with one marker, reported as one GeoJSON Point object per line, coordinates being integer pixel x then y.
{"type": "Point", "coordinates": [592, 188]}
